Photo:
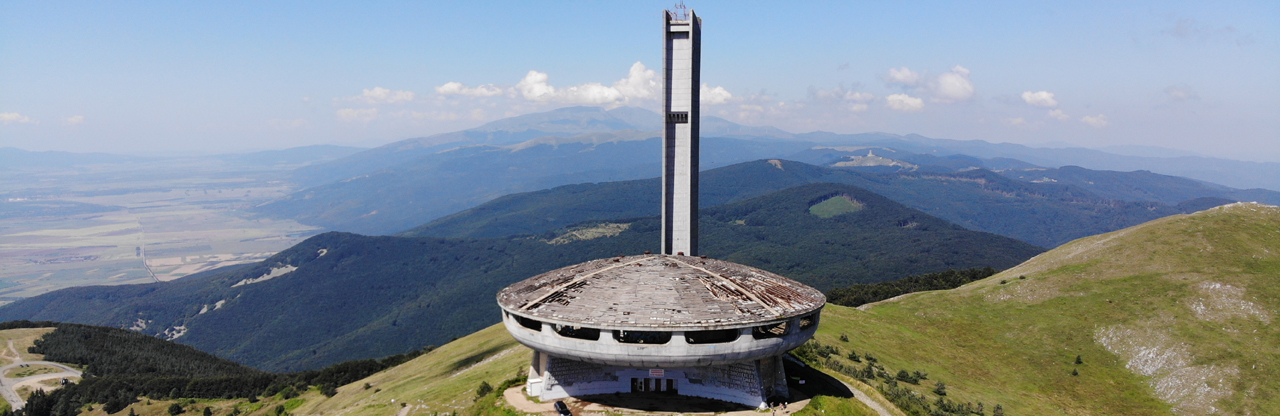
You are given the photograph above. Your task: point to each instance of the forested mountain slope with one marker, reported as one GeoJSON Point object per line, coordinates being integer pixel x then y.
{"type": "Point", "coordinates": [337, 296]}
{"type": "Point", "coordinates": [1044, 214]}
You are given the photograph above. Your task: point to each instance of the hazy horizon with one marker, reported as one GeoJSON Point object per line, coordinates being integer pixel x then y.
{"type": "Point", "coordinates": [157, 78]}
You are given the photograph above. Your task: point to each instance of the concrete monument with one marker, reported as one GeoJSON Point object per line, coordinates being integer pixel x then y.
{"type": "Point", "coordinates": [668, 323]}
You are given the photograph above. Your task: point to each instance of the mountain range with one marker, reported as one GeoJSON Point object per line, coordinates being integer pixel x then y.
{"type": "Point", "coordinates": [1172, 316]}
{"type": "Point", "coordinates": [339, 296]}
{"type": "Point", "coordinates": [394, 187]}
{"type": "Point", "coordinates": [1044, 214]}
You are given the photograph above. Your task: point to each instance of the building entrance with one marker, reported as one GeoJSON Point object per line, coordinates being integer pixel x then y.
{"type": "Point", "coordinates": [661, 385]}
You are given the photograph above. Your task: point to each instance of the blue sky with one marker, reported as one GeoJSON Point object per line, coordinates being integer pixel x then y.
{"type": "Point", "coordinates": [166, 77]}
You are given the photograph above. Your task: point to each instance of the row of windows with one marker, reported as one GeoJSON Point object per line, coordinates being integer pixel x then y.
{"type": "Point", "coordinates": [717, 336]}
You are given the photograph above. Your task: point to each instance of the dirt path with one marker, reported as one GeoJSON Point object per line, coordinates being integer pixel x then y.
{"type": "Point", "coordinates": [17, 358]}
{"type": "Point", "coordinates": [865, 399]}
{"type": "Point", "coordinates": [9, 386]}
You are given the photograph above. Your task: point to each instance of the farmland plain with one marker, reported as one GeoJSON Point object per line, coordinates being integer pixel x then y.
{"type": "Point", "coordinates": [156, 220]}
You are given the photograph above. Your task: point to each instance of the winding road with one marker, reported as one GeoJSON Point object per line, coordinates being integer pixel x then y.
{"type": "Point", "coordinates": [9, 386]}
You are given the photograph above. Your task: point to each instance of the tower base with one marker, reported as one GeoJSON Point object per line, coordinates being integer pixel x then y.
{"type": "Point", "coordinates": [751, 383]}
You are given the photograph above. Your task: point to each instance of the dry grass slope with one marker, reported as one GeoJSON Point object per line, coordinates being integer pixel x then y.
{"type": "Point", "coordinates": [443, 380]}
{"type": "Point", "coordinates": [1170, 316]}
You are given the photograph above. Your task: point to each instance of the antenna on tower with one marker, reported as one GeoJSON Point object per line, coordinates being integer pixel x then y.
{"type": "Point", "coordinates": [681, 12]}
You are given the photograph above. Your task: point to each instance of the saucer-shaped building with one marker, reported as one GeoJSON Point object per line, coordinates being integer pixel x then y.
{"type": "Point", "coordinates": [660, 323]}
{"type": "Point", "coordinates": [668, 322]}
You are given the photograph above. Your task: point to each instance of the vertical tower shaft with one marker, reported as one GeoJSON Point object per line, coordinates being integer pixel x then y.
{"type": "Point", "coordinates": [682, 44]}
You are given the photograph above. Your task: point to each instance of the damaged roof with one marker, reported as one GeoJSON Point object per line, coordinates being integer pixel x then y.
{"type": "Point", "coordinates": [659, 291]}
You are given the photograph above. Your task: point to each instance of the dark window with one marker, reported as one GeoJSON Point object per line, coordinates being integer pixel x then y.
{"type": "Point", "coordinates": [769, 331]}
{"type": "Point", "coordinates": [528, 323]}
{"type": "Point", "coordinates": [642, 337]}
{"type": "Point", "coordinates": [711, 337]}
{"type": "Point", "coordinates": [808, 321]}
{"type": "Point", "coordinates": [590, 334]}
{"type": "Point", "coordinates": [678, 117]}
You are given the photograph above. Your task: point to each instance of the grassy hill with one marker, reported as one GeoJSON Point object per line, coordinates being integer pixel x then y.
{"type": "Point", "coordinates": [1169, 317]}
{"type": "Point", "coordinates": [1044, 214]}
{"type": "Point", "coordinates": [1173, 315]}
{"type": "Point", "coordinates": [348, 297]}
{"type": "Point", "coordinates": [438, 382]}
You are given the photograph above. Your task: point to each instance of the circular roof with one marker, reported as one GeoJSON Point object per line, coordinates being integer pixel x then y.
{"type": "Point", "coordinates": [659, 291]}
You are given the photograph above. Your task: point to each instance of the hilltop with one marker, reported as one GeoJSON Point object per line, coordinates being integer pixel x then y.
{"type": "Point", "coordinates": [1172, 315]}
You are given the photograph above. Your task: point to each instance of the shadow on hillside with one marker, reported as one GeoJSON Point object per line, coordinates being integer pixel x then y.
{"type": "Point", "coordinates": [660, 402]}
{"type": "Point", "coordinates": [815, 382]}
{"type": "Point", "coordinates": [475, 358]}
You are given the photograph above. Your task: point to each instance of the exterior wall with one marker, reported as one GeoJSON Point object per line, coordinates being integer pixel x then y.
{"type": "Point", "coordinates": [736, 383]}
{"type": "Point", "coordinates": [676, 353]}
{"type": "Point", "coordinates": [682, 45]}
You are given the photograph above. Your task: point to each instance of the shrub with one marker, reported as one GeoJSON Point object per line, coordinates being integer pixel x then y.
{"type": "Point", "coordinates": [484, 389]}
{"type": "Point", "coordinates": [176, 409]}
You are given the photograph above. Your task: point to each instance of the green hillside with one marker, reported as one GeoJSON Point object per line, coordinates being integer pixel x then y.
{"type": "Point", "coordinates": [1173, 315]}
{"type": "Point", "coordinates": [1044, 214]}
{"type": "Point", "coordinates": [353, 297]}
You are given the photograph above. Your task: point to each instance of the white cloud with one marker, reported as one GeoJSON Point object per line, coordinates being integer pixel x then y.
{"type": "Point", "coordinates": [858, 108]}
{"type": "Point", "coordinates": [839, 94]}
{"type": "Point", "coordinates": [903, 102]}
{"type": "Point", "coordinates": [1188, 29]}
{"type": "Point", "coordinates": [1015, 121]}
{"type": "Point", "coordinates": [73, 120]}
{"type": "Point", "coordinates": [477, 114]}
{"type": "Point", "coordinates": [357, 114]}
{"type": "Point", "coordinates": [534, 87]}
{"type": "Point", "coordinates": [8, 118]}
{"type": "Point", "coordinates": [379, 95]}
{"type": "Point", "coordinates": [1040, 99]}
{"type": "Point", "coordinates": [590, 93]}
{"type": "Point", "coordinates": [1100, 121]}
{"type": "Point", "coordinates": [456, 88]}
{"type": "Point", "coordinates": [1058, 114]}
{"type": "Point", "coordinates": [717, 95]}
{"type": "Point", "coordinates": [953, 86]}
{"type": "Point", "coordinates": [903, 76]}
{"type": "Point", "coordinates": [1181, 92]}
{"type": "Point", "coordinates": [640, 83]}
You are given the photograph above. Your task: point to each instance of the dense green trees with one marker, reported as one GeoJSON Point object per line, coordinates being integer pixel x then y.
{"type": "Point", "coordinates": [355, 296]}
{"type": "Point", "coordinates": [123, 365]}
{"type": "Point", "coordinates": [860, 294]}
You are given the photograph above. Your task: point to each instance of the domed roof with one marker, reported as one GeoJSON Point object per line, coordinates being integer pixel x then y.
{"type": "Point", "coordinates": [659, 291]}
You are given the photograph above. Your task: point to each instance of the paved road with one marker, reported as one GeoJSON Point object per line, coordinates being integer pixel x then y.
{"type": "Point", "coordinates": [9, 385]}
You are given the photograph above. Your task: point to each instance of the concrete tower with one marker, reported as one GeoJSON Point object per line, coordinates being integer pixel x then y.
{"type": "Point", "coordinates": [668, 323]}
{"type": "Point", "coordinates": [682, 46]}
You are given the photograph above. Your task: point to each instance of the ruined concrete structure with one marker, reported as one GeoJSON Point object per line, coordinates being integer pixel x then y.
{"type": "Point", "coordinates": [672, 322]}
{"type": "Point", "coordinates": [682, 46]}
